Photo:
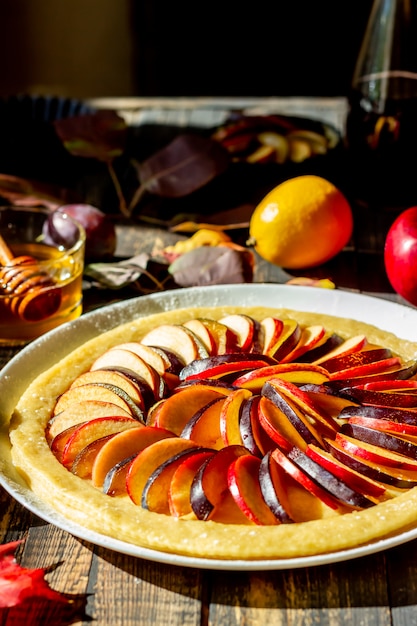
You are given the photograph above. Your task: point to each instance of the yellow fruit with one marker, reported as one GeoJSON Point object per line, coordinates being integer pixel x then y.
{"type": "Point", "coordinates": [301, 223]}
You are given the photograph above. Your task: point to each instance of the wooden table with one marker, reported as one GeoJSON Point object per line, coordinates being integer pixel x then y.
{"type": "Point", "coordinates": [111, 589]}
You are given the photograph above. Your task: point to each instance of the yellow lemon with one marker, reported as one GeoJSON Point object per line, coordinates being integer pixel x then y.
{"type": "Point", "coordinates": [301, 223]}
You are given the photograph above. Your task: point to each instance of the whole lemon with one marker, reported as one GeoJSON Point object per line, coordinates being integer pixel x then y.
{"type": "Point", "coordinates": [301, 223]}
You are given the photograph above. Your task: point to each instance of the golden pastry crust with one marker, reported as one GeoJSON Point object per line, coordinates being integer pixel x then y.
{"type": "Point", "coordinates": [119, 518]}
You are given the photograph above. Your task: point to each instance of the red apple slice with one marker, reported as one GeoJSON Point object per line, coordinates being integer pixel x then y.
{"type": "Point", "coordinates": [119, 357]}
{"type": "Point", "coordinates": [245, 329]}
{"type": "Point", "coordinates": [325, 346]}
{"type": "Point", "coordinates": [219, 365]}
{"type": "Point", "coordinates": [180, 486]}
{"type": "Point", "coordinates": [380, 398]}
{"type": "Point", "coordinates": [148, 354]}
{"type": "Point", "coordinates": [310, 337]}
{"type": "Point", "coordinates": [79, 412]}
{"type": "Point", "coordinates": [323, 398]}
{"type": "Point", "coordinates": [270, 329]}
{"type": "Point", "coordinates": [254, 436]}
{"type": "Point", "coordinates": [204, 426]}
{"type": "Point", "coordinates": [58, 443]}
{"type": "Point", "coordinates": [177, 339]}
{"type": "Point", "coordinates": [404, 385]}
{"type": "Point", "coordinates": [211, 482]}
{"type": "Point", "coordinates": [225, 339]}
{"type": "Point", "coordinates": [99, 392]}
{"type": "Point", "coordinates": [356, 359]}
{"type": "Point", "coordinates": [114, 483]}
{"type": "Point", "coordinates": [271, 479]}
{"type": "Point", "coordinates": [295, 372]}
{"type": "Point", "coordinates": [243, 480]}
{"type": "Point", "coordinates": [376, 453]}
{"type": "Point", "coordinates": [279, 428]}
{"type": "Point", "coordinates": [230, 417]}
{"type": "Point", "coordinates": [367, 369]}
{"type": "Point", "coordinates": [146, 462]}
{"type": "Point", "coordinates": [123, 445]}
{"type": "Point", "coordinates": [353, 344]}
{"type": "Point", "coordinates": [354, 479]}
{"type": "Point", "coordinates": [287, 340]}
{"type": "Point", "coordinates": [82, 465]}
{"type": "Point", "coordinates": [92, 430]}
{"type": "Point", "coordinates": [202, 332]}
{"type": "Point", "coordinates": [174, 412]}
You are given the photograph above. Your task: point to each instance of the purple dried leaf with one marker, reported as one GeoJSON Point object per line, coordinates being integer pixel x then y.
{"type": "Point", "coordinates": [210, 265]}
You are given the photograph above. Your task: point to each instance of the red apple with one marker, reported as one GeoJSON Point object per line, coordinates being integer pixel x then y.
{"type": "Point", "coordinates": [400, 255]}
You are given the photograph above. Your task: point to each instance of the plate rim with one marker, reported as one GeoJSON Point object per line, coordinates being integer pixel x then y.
{"type": "Point", "coordinates": [100, 320]}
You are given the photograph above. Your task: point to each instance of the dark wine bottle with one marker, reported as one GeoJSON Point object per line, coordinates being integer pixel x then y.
{"type": "Point", "coordinates": [381, 125]}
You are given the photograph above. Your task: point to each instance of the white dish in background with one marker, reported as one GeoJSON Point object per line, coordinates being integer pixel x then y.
{"type": "Point", "coordinates": [45, 351]}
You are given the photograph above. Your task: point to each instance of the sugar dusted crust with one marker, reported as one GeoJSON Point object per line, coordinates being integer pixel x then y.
{"type": "Point", "coordinates": [120, 518]}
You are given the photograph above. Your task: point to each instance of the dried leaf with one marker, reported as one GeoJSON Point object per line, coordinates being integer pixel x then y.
{"type": "Point", "coordinates": [25, 192]}
{"type": "Point", "coordinates": [217, 265]}
{"type": "Point", "coordinates": [118, 275]}
{"type": "Point", "coordinates": [185, 165]}
{"type": "Point", "coordinates": [101, 135]}
{"type": "Point", "coordinates": [18, 583]}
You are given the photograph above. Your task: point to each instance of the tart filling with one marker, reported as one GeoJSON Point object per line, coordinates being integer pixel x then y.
{"type": "Point", "coordinates": [228, 432]}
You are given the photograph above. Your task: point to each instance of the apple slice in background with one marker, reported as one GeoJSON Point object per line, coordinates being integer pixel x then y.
{"type": "Point", "coordinates": [122, 445]}
{"type": "Point", "coordinates": [371, 488]}
{"type": "Point", "coordinates": [230, 414]}
{"type": "Point", "coordinates": [306, 430]}
{"type": "Point", "coordinates": [210, 483]}
{"type": "Point", "coordinates": [204, 426]}
{"type": "Point", "coordinates": [121, 358]}
{"type": "Point", "coordinates": [99, 392]}
{"type": "Point", "coordinates": [311, 336]}
{"type": "Point", "coordinates": [203, 333]}
{"type": "Point", "coordinates": [179, 498]}
{"type": "Point", "coordinates": [148, 460]}
{"type": "Point", "coordinates": [111, 377]}
{"type": "Point", "coordinates": [79, 412]}
{"type": "Point", "coordinates": [243, 481]}
{"type": "Point", "coordinates": [353, 344]}
{"type": "Point", "coordinates": [270, 329]}
{"type": "Point", "coordinates": [155, 494]}
{"type": "Point", "coordinates": [92, 430]}
{"type": "Point", "coordinates": [287, 340]}
{"type": "Point", "coordinates": [225, 339]}
{"type": "Point", "coordinates": [177, 339]}
{"type": "Point", "coordinates": [271, 479]}
{"type": "Point", "coordinates": [395, 477]}
{"type": "Point", "coordinates": [177, 410]}
{"type": "Point", "coordinates": [246, 330]}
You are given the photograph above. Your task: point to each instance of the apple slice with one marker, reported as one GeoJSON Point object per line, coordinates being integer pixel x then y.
{"type": "Point", "coordinates": [406, 417]}
{"type": "Point", "coordinates": [82, 465]}
{"type": "Point", "coordinates": [147, 353]}
{"type": "Point", "coordinates": [353, 344]}
{"type": "Point", "coordinates": [385, 384]}
{"type": "Point", "coordinates": [385, 425]}
{"type": "Point", "coordinates": [203, 333]}
{"type": "Point", "coordinates": [326, 345]}
{"type": "Point", "coordinates": [147, 461]}
{"type": "Point", "coordinates": [174, 412]}
{"type": "Point", "coordinates": [225, 339]}
{"type": "Point", "coordinates": [270, 329]}
{"type": "Point", "coordinates": [323, 397]}
{"type": "Point", "coordinates": [204, 426]}
{"type": "Point", "coordinates": [395, 477]}
{"type": "Point", "coordinates": [58, 443]}
{"type": "Point", "coordinates": [119, 357]}
{"type": "Point", "coordinates": [366, 369]}
{"type": "Point", "coordinates": [218, 365]}
{"type": "Point", "coordinates": [283, 431]}
{"type": "Point", "coordinates": [369, 447]}
{"type": "Point", "coordinates": [243, 481]}
{"type": "Point", "coordinates": [177, 339]}
{"type": "Point", "coordinates": [380, 398]}
{"type": "Point", "coordinates": [271, 479]}
{"type": "Point", "coordinates": [295, 372]}
{"type": "Point", "coordinates": [287, 340]}
{"type": "Point", "coordinates": [122, 445]}
{"type": "Point", "coordinates": [111, 377]}
{"type": "Point", "coordinates": [99, 392]}
{"type": "Point", "coordinates": [230, 417]}
{"type": "Point", "coordinates": [92, 430]}
{"type": "Point", "coordinates": [211, 482]}
{"type": "Point", "coordinates": [357, 481]}
{"type": "Point", "coordinates": [246, 330]}
{"type": "Point", "coordinates": [114, 483]}
{"type": "Point", "coordinates": [254, 437]}
{"type": "Point", "coordinates": [356, 359]}
{"type": "Point", "coordinates": [310, 337]}
{"type": "Point", "coordinates": [307, 431]}
{"type": "Point", "coordinates": [180, 486]}
{"type": "Point", "coordinates": [78, 412]}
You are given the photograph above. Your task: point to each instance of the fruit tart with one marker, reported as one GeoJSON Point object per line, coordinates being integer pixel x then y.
{"type": "Point", "coordinates": [228, 432]}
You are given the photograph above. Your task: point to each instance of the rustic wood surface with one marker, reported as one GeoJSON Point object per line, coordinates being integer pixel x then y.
{"type": "Point", "coordinates": [108, 588]}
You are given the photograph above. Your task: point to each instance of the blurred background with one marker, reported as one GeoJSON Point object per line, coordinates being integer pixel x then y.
{"type": "Point", "coordinates": [121, 48]}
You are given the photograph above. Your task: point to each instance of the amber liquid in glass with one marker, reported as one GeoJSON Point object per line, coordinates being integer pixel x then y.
{"type": "Point", "coordinates": [66, 271]}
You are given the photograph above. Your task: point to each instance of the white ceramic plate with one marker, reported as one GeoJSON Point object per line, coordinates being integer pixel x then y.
{"type": "Point", "coordinates": [44, 352]}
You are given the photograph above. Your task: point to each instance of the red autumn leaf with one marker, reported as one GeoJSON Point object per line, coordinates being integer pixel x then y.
{"type": "Point", "coordinates": [18, 583]}
{"type": "Point", "coordinates": [101, 135]}
{"type": "Point", "coordinates": [188, 163]}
